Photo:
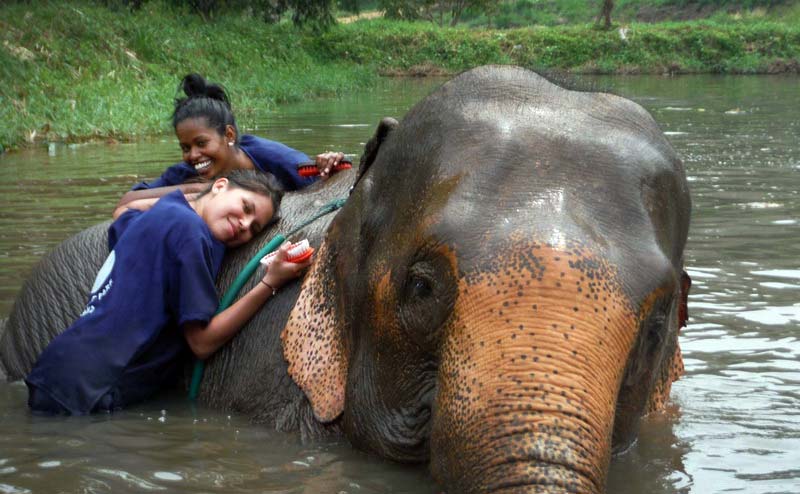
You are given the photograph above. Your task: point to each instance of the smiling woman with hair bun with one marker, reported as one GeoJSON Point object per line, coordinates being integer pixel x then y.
{"type": "Point", "coordinates": [212, 146]}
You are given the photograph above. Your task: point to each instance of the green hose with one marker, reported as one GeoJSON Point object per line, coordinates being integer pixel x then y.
{"type": "Point", "coordinates": [245, 274]}
{"type": "Point", "coordinates": [227, 300]}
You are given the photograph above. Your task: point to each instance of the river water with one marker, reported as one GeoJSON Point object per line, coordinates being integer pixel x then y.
{"type": "Point", "coordinates": [734, 421]}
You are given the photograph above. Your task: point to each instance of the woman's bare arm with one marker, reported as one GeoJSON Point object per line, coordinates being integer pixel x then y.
{"type": "Point", "coordinates": [155, 194]}
{"type": "Point", "coordinates": [204, 339]}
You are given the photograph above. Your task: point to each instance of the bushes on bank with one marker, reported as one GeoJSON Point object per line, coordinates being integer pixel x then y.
{"type": "Point", "coordinates": [645, 48]}
{"type": "Point", "coordinates": [77, 70]}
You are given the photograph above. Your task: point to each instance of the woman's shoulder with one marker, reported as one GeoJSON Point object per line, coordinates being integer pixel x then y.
{"type": "Point", "coordinates": [173, 212]}
{"type": "Point", "coordinates": [251, 144]}
{"type": "Point", "coordinates": [249, 141]}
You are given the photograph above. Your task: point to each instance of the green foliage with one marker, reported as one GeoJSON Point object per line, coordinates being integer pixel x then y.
{"type": "Point", "coordinates": [70, 71]}
{"type": "Point", "coordinates": [351, 6]}
{"type": "Point", "coordinates": [393, 45]}
{"type": "Point", "coordinates": [522, 13]}
{"type": "Point", "coordinates": [404, 47]}
{"type": "Point", "coordinates": [439, 11]}
{"type": "Point", "coordinates": [76, 70]}
{"type": "Point", "coordinates": [318, 13]}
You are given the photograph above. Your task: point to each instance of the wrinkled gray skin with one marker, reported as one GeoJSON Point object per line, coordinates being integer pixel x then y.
{"type": "Point", "coordinates": [500, 297]}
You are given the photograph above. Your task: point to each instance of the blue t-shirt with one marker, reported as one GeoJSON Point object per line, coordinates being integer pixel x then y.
{"type": "Point", "coordinates": [129, 339]}
{"type": "Point", "coordinates": [268, 156]}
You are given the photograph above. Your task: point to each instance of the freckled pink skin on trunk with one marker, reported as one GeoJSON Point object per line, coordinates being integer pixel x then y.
{"type": "Point", "coordinates": [530, 369]}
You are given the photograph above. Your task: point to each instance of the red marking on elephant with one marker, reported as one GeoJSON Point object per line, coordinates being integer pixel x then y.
{"type": "Point", "coordinates": [384, 302]}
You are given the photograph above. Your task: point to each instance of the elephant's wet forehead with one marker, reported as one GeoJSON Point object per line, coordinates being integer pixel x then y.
{"type": "Point", "coordinates": [527, 154]}
{"type": "Point", "coordinates": [549, 187]}
{"type": "Point", "coordinates": [477, 216]}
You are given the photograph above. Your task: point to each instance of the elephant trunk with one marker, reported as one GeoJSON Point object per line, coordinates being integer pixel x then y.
{"type": "Point", "coordinates": [527, 387]}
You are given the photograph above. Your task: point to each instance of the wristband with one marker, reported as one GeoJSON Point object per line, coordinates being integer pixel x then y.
{"type": "Point", "coordinates": [274, 291]}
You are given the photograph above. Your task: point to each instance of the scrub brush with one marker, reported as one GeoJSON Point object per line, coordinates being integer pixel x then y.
{"type": "Point", "coordinates": [298, 252]}
{"type": "Point", "coordinates": [311, 170]}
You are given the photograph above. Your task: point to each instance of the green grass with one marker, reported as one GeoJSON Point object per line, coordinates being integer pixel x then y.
{"type": "Point", "coordinates": [75, 70]}
{"type": "Point", "coordinates": [685, 47]}
{"type": "Point", "coordinates": [526, 13]}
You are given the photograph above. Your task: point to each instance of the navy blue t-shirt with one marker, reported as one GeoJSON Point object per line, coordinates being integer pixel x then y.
{"type": "Point", "coordinates": [129, 339]}
{"type": "Point", "coordinates": [268, 156]}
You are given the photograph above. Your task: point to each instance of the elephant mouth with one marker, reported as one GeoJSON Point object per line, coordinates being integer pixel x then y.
{"type": "Point", "coordinates": [621, 449]}
{"type": "Point", "coordinates": [403, 437]}
{"type": "Point", "coordinates": [410, 440]}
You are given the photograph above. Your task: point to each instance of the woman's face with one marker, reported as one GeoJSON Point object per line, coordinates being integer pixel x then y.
{"type": "Point", "coordinates": [235, 215]}
{"type": "Point", "coordinates": [204, 148]}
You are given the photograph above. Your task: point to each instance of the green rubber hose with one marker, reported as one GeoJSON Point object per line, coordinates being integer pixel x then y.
{"type": "Point", "coordinates": [227, 300]}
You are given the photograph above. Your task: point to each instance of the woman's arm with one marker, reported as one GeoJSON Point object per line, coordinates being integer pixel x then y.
{"type": "Point", "coordinates": [148, 197]}
{"type": "Point", "coordinates": [205, 339]}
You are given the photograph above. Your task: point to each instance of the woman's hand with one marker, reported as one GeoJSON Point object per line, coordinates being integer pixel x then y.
{"type": "Point", "coordinates": [326, 161]}
{"type": "Point", "coordinates": [281, 271]}
{"type": "Point", "coordinates": [205, 339]}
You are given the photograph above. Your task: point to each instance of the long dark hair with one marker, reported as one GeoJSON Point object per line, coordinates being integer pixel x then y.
{"type": "Point", "coordinates": [255, 181]}
{"type": "Point", "coordinates": [204, 100]}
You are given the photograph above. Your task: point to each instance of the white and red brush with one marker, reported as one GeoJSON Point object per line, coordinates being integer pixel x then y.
{"type": "Point", "coordinates": [298, 252]}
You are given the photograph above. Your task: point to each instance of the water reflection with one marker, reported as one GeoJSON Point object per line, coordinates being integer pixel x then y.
{"type": "Point", "coordinates": [733, 426]}
{"type": "Point", "coordinates": [169, 446]}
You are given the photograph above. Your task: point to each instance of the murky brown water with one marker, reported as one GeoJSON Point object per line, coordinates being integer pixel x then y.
{"type": "Point", "coordinates": [735, 422]}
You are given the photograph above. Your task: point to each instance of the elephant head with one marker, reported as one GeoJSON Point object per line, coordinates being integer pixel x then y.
{"type": "Point", "coordinates": [502, 293]}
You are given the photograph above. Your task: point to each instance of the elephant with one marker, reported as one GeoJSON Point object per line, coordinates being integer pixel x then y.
{"type": "Point", "coordinates": [500, 296]}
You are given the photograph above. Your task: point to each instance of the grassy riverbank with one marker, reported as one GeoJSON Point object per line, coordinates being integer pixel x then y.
{"type": "Point", "coordinates": [76, 70]}
{"type": "Point", "coordinates": [665, 48]}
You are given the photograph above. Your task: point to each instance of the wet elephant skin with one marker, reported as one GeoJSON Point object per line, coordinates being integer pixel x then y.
{"type": "Point", "coordinates": [501, 294]}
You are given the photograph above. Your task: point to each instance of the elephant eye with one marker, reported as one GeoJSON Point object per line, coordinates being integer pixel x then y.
{"type": "Point", "coordinates": [427, 297]}
{"type": "Point", "coordinates": [421, 287]}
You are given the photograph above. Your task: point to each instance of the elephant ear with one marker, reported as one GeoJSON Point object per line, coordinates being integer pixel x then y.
{"type": "Point", "coordinates": [385, 127]}
{"type": "Point", "coordinates": [672, 369]}
{"type": "Point", "coordinates": [312, 339]}
{"type": "Point", "coordinates": [312, 343]}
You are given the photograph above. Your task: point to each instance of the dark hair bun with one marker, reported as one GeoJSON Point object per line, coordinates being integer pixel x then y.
{"type": "Point", "coordinates": [204, 100]}
{"type": "Point", "coordinates": [195, 86]}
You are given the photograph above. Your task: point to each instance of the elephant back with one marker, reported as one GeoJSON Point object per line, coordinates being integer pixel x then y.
{"type": "Point", "coordinates": [51, 298]}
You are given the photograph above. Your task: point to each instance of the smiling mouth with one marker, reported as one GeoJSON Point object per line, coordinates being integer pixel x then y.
{"type": "Point", "coordinates": [202, 166]}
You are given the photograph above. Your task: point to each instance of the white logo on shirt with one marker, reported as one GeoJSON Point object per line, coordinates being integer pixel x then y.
{"type": "Point", "coordinates": [100, 281]}
{"type": "Point", "coordinates": [105, 270]}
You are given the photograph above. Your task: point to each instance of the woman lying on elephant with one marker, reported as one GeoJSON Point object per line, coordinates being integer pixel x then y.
{"type": "Point", "coordinates": [154, 298]}
{"type": "Point", "coordinates": [211, 145]}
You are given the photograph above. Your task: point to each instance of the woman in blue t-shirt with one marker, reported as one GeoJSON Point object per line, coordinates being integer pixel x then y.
{"type": "Point", "coordinates": [154, 300]}
{"type": "Point", "coordinates": [211, 146]}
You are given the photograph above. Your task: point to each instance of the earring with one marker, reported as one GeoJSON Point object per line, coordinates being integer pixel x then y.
{"type": "Point", "coordinates": [230, 143]}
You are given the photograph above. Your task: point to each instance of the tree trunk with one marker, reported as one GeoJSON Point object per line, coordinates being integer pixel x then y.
{"type": "Point", "coordinates": [605, 13]}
